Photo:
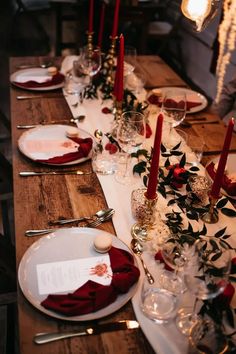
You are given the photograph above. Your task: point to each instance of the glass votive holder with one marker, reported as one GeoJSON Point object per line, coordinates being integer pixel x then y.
{"type": "Point", "coordinates": [144, 211]}
{"type": "Point", "coordinates": [159, 305]}
{"type": "Point", "coordinates": [105, 158]}
{"type": "Point", "coordinates": [200, 187]}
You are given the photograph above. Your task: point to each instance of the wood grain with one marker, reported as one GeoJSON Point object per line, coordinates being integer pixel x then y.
{"type": "Point", "coordinates": [41, 199]}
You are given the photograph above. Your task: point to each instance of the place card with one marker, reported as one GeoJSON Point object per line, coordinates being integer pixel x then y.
{"type": "Point", "coordinates": [64, 276]}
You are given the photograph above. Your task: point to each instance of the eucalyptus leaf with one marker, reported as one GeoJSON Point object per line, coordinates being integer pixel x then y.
{"type": "Point", "coordinates": [221, 203]}
{"type": "Point", "coordinates": [220, 232]}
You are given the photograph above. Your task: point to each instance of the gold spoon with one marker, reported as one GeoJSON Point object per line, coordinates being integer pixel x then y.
{"type": "Point", "coordinates": [138, 249]}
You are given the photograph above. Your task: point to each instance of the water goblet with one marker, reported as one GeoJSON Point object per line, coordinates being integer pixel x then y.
{"type": "Point", "coordinates": [176, 253]}
{"type": "Point", "coordinates": [130, 56]}
{"type": "Point", "coordinates": [159, 305]}
{"type": "Point", "coordinates": [75, 81]}
{"type": "Point", "coordinates": [131, 133]}
{"type": "Point", "coordinates": [173, 108]}
{"type": "Point", "coordinates": [90, 61]}
{"type": "Point", "coordinates": [207, 277]}
{"type": "Point", "coordinates": [196, 145]}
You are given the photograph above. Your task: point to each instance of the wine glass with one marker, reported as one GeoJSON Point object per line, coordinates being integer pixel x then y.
{"type": "Point", "coordinates": [131, 133]}
{"type": "Point", "coordinates": [176, 253]}
{"type": "Point", "coordinates": [206, 278]}
{"type": "Point", "coordinates": [173, 108]}
{"type": "Point", "coordinates": [75, 82]}
{"type": "Point", "coordinates": [90, 61]}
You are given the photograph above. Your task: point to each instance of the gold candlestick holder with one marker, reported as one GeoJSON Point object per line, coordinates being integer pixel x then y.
{"type": "Point", "coordinates": [144, 211]}
{"type": "Point", "coordinates": [211, 216]}
{"type": "Point", "coordinates": [117, 111]}
{"type": "Point", "coordinates": [90, 42]}
{"type": "Point", "coordinates": [110, 61]}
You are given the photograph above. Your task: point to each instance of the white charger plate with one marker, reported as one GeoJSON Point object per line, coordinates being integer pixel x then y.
{"type": "Point", "coordinates": [64, 245]}
{"type": "Point", "coordinates": [231, 168]}
{"type": "Point", "coordinates": [48, 135]}
{"type": "Point", "coordinates": [33, 72]}
{"type": "Point", "coordinates": [190, 96]}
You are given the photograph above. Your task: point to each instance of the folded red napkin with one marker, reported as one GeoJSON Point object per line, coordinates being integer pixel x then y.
{"type": "Point", "coordinates": [56, 79]}
{"type": "Point", "coordinates": [85, 145]}
{"type": "Point", "coordinates": [92, 296]}
{"type": "Point", "coordinates": [157, 100]}
{"type": "Point", "coordinates": [227, 184]}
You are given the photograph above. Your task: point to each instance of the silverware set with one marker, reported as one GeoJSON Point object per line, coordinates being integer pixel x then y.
{"type": "Point", "coordinates": [107, 214]}
{"type": "Point", "coordinates": [80, 118]}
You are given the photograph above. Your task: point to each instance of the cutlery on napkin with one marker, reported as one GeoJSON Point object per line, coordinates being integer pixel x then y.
{"type": "Point", "coordinates": [42, 338]}
{"type": "Point", "coordinates": [92, 296]}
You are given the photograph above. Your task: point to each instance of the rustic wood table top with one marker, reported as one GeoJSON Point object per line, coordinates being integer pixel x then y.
{"type": "Point", "coordinates": [40, 199]}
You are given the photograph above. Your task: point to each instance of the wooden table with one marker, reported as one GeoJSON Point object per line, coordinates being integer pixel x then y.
{"type": "Point", "coordinates": [40, 199]}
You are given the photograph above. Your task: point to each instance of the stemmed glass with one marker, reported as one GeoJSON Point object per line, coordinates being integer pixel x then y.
{"type": "Point", "coordinates": [130, 56]}
{"type": "Point", "coordinates": [131, 133]}
{"type": "Point", "coordinates": [173, 108]}
{"type": "Point", "coordinates": [207, 277]}
{"type": "Point", "coordinates": [90, 61]}
{"type": "Point", "coordinates": [176, 252]}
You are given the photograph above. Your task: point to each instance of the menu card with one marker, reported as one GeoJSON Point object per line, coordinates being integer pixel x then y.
{"type": "Point", "coordinates": [64, 276]}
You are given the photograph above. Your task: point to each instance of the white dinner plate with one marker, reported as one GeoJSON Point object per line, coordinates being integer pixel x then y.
{"type": "Point", "coordinates": [191, 95]}
{"type": "Point", "coordinates": [63, 245]}
{"type": "Point", "coordinates": [47, 141]}
{"type": "Point", "coordinates": [230, 167]}
{"type": "Point", "coordinates": [33, 73]}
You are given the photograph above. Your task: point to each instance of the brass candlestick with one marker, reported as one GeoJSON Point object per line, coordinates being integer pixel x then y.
{"type": "Point", "coordinates": [143, 210]}
{"type": "Point", "coordinates": [110, 61]}
{"type": "Point", "coordinates": [117, 111]}
{"type": "Point", "coordinates": [90, 42]}
{"type": "Point", "coordinates": [211, 216]}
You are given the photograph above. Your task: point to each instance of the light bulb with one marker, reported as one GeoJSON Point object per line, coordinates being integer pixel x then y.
{"type": "Point", "coordinates": [199, 11]}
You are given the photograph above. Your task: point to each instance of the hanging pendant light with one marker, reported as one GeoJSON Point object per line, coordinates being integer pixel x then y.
{"type": "Point", "coordinates": [200, 12]}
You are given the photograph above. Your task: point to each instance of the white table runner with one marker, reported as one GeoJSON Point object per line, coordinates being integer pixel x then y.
{"type": "Point", "coordinates": [165, 339]}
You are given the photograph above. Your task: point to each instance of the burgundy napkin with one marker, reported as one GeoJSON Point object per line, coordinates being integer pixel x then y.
{"type": "Point", "coordinates": [56, 79]}
{"type": "Point", "coordinates": [227, 184]}
{"type": "Point", "coordinates": [92, 296]}
{"type": "Point", "coordinates": [85, 145]}
{"type": "Point", "coordinates": [157, 100]}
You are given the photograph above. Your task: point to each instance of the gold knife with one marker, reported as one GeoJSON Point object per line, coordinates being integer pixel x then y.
{"type": "Point", "coordinates": [42, 338]}
{"type": "Point", "coordinates": [27, 97]}
{"type": "Point", "coordinates": [63, 172]}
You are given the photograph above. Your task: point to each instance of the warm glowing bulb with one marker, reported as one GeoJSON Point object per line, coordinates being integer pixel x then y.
{"type": "Point", "coordinates": [196, 10]}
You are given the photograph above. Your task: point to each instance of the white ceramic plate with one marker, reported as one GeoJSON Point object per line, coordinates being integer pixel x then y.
{"type": "Point", "coordinates": [63, 245]}
{"type": "Point", "coordinates": [47, 141]}
{"type": "Point", "coordinates": [190, 96]}
{"type": "Point", "coordinates": [27, 74]}
{"type": "Point", "coordinates": [231, 168]}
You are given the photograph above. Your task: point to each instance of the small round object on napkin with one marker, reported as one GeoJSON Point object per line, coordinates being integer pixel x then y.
{"type": "Point", "coordinates": [52, 70]}
{"type": "Point", "coordinates": [72, 132]}
{"type": "Point", "coordinates": [102, 243]}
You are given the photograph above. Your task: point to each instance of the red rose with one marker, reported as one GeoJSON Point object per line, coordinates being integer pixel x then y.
{"type": "Point", "coordinates": [112, 148]}
{"type": "Point", "coordinates": [106, 110]}
{"type": "Point", "coordinates": [158, 257]}
{"type": "Point", "coordinates": [225, 298]}
{"type": "Point", "coordinates": [177, 173]}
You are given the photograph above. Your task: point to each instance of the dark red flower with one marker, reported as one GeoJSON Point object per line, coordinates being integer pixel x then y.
{"type": "Point", "coordinates": [224, 299]}
{"type": "Point", "coordinates": [106, 110]}
{"type": "Point", "coordinates": [158, 257]}
{"type": "Point", "coordinates": [233, 266]}
{"type": "Point", "coordinates": [112, 148]}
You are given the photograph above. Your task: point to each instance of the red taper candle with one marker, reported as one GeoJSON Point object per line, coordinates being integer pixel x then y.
{"type": "Point", "coordinates": [91, 7]}
{"type": "Point", "coordinates": [153, 177]}
{"type": "Point", "coordinates": [101, 26]}
{"type": "Point", "coordinates": [116, 18]}
{"type": "Point", "coordinates": [217, 183]}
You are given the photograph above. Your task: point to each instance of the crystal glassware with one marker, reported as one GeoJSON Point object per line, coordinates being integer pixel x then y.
{"type": "Point", "coordinates": [174, 107]}
{"type": "Point", "coordinates": [131, 133]}
{"type": "Point", "coordinates": [144, 211]}
{"type": "Point", "coordinates": [90, 61]}
{"type": "Point", "coordinates": [200, 188]}
{"type": "Point", "coordinates": [206, 278]}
